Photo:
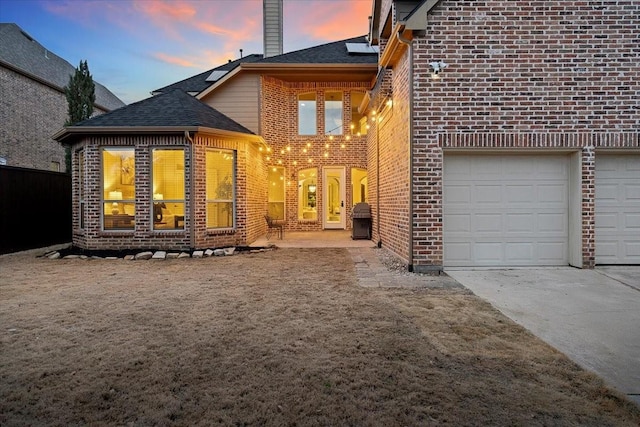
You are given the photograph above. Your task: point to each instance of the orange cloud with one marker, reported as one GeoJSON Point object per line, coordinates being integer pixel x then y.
{"type": "Point", "coordinates": [163, 10]}
{"type": "Point", "coordinates": [327, 20]}
{"type": "Point", "coordinates": [174, 60]}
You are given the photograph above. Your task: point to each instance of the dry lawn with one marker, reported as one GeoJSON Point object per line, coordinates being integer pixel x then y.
{"type": "Point", "coordinates": [278, 338]}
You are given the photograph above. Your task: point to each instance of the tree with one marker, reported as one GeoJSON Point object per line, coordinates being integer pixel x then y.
{"type": "Point", "coordinates": [81, 95]}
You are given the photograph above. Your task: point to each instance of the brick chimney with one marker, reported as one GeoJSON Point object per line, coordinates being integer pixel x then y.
{"type": "Point", "coordinates": [272, 27]}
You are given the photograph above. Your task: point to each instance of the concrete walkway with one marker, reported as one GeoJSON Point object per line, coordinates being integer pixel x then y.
{"type": "Point", "coordinates": [592, 316]}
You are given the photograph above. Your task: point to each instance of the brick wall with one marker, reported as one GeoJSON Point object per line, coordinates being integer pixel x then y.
{"type": "Point", "coordinates": [279, 124]}
{"type": "Point", "coordinates": [250, 195]}
{"type": "Point", "coordinates": [30, 113]}
{"type": "Point", "coordinates": [554, 75]}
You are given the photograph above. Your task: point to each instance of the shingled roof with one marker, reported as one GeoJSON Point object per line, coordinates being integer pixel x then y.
{"type": "Point", "coordinates": [329, 53]}
{"type": "Point", "coordinates": [200, 82]}
{"type": "Point", "coordinates": [21, 52]}
{"type": "Point", "coordinates": [174, 108]}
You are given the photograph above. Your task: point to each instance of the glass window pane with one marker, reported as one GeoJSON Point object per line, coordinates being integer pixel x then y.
{"type": "Point", "coordinates": [220, 188]}
{"type": "Point", "coordinates": [359, 185]}
{"type": "Point", "coordinates": [118, 184]}
{"type": "Point", "coordinates": [276, 193]}
{"type": "Point", "coordinates": [307, 194]}
{"type": "Point", "coordinates": [307, 114]}
{"type": "Point", "coordinates": [358, 123]}
{"type": "Point", "coordinates": [333, 113]}
{"type": "Point", "coordinates": [168, 179]}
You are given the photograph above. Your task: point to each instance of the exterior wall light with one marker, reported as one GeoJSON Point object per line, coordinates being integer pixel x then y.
{"type": "Point", "coordinates": [437, 66]}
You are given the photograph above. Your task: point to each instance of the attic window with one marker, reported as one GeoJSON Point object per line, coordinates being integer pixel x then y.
{"type": "Point", "coordinates": [216, 75]}
{"type": "Point", "coordinates": [361, 48]}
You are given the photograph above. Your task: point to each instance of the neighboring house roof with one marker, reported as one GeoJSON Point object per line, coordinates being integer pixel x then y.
{"type": "Point", "coordinates": [330, 53]}
{"type": "Point", "coordinates": [20, 52]}
{"type": "Point", "coordinates": [172, 111]}
{"type": "Point", "coordinates": [199, 82]}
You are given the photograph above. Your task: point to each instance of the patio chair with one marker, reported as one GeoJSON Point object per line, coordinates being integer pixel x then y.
{"type": "Point", "coordinates": [275, 224]}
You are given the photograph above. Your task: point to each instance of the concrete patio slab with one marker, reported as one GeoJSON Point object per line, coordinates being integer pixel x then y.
{"type": "Point", "coordinates": [592, 316]}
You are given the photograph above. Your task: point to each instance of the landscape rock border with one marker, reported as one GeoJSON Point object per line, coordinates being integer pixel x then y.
{"type": "Point", "coordinates": [145, 254]}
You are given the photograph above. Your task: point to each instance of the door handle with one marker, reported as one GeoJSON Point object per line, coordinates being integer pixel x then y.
{"type": "Point", "coordinates": [342, 204]}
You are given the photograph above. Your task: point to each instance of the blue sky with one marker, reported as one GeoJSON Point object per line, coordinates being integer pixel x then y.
{"type": "Point", "coordinates": [136, 46]}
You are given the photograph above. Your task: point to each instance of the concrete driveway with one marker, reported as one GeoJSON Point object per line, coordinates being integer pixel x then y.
{"type": "Point", "coordinates": [592, 316]}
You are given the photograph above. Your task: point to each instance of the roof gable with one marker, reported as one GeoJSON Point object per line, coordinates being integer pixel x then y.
{"type": "Point", "coordinates": [172, 109]}
{"type": "Point", "coordinates": [200, 82]}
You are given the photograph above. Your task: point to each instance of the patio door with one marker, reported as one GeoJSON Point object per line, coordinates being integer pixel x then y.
{"type": "Point", "coordinates": [333, 179]}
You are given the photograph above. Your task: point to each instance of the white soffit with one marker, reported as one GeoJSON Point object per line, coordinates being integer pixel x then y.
{"type": "Point", "coordinates": [361, 48]}
{"type": "Point", "coordinates": [216, 75]}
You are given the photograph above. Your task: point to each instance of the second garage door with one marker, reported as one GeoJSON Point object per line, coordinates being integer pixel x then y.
{"type": "Point", "coordinates": [505, 210]}
{"type": "Point", "coordinates": [617, 208]}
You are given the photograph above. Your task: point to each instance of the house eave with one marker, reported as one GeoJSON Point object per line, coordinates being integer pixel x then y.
{"type": "Point", "coordinates": [395, 49]}
{"type": "Point", "coordinates": [68, 134]}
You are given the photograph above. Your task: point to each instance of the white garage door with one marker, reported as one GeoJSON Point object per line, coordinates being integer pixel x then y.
{"type": "Point", "coordinates": [505, 210]}
{"type": "Point", "coordinates": [617, 208]}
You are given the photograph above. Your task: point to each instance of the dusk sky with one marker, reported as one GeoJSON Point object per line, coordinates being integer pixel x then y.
{"type": "Point", "coordinates": [136, 46]}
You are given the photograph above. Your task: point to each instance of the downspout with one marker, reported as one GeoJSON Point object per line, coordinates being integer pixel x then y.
{"type": "Point", "coordinates": [192, 162]}
{"type": "Point", "coordinates": [378, 180]}
{"type": "Point", "coordinates": [408, 43]}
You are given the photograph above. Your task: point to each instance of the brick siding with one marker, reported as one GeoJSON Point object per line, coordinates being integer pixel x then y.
{"type": "Point", "coordinates": [250, 195]}
{"type": "Point", "coordinates": [279, 119]}
{"type": "Point", "coordinates": [534, 75]}
{"type": "Point", "coordinates": [30, 113]}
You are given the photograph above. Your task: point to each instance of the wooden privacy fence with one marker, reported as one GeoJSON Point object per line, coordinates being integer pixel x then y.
{"type": "Point", "coordinates": [35, 209]}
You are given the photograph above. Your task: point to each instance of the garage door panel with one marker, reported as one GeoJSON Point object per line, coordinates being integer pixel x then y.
{"type": "Point", "coordinates": [552, 222]}
{"type": "Point", "coordinates": [552, 193]}
{"type": "Point", "coordinates": [488, 193]}
{"type": "Point", "coordinates": [551, 251]}
{"type": "Point", "coordinates": [519, 253]}
{"type": "Point", "coordinates": [520, 193]}
{"type": "Point", "coordinates": [632, 220]}
{"type": "Point", "coordinates": [617, 210]}
{"type": "Point", "coordinates": [516, 205]}
{"type": "Point", "coordinates": [632, 193]}
{"type": "Point", "coordinates": [488, 223]}
{"type": "Point", "coordinates": [607, 220]}
{"type": "Point", "coordinates": [519, 222]}
{"type": "Point", "coordinates": [488, 253]}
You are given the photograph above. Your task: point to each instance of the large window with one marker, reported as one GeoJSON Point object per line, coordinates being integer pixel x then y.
{"type": "Point", "coordinates": [118, 185]}
{"type": "Point", "coordinates": [333, 113]}
{"type": "Point", "coordinates": [359, 185]}
{"type": "Point", "coordinates": [307, 114]}
{"type": "Point", "coordinates": [308, 194]}
{"type": "Point", "coordinates": [276, 193]}
{"type": "Point", "coordinates": [358, 121]}
{"type": "Point", "coordinates": [221, 185]}
{"type": "Point", "coordinates": [167, 178]}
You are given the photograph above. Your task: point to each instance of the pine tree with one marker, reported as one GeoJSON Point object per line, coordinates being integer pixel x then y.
{"type": "Point", "coordinates": [81, 95]}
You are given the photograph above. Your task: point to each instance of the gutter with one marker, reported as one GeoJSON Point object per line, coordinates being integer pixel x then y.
{"type": "Point", "coordinates": [69, 132]}
{"type": "Point", "coordinates": [408, 43]}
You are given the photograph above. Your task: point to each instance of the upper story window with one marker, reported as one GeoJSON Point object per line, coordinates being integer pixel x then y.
{"type": "Point", "coordinates": [118, 188]}
{"type": "Point", "coordinates": [307, 114]}
{"type": "Point", "coordinates": [168, 185]}
{"type": "Point", "coordinates": [333, 113]}
{"type": "Point", "coordinates": [358, 121]}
